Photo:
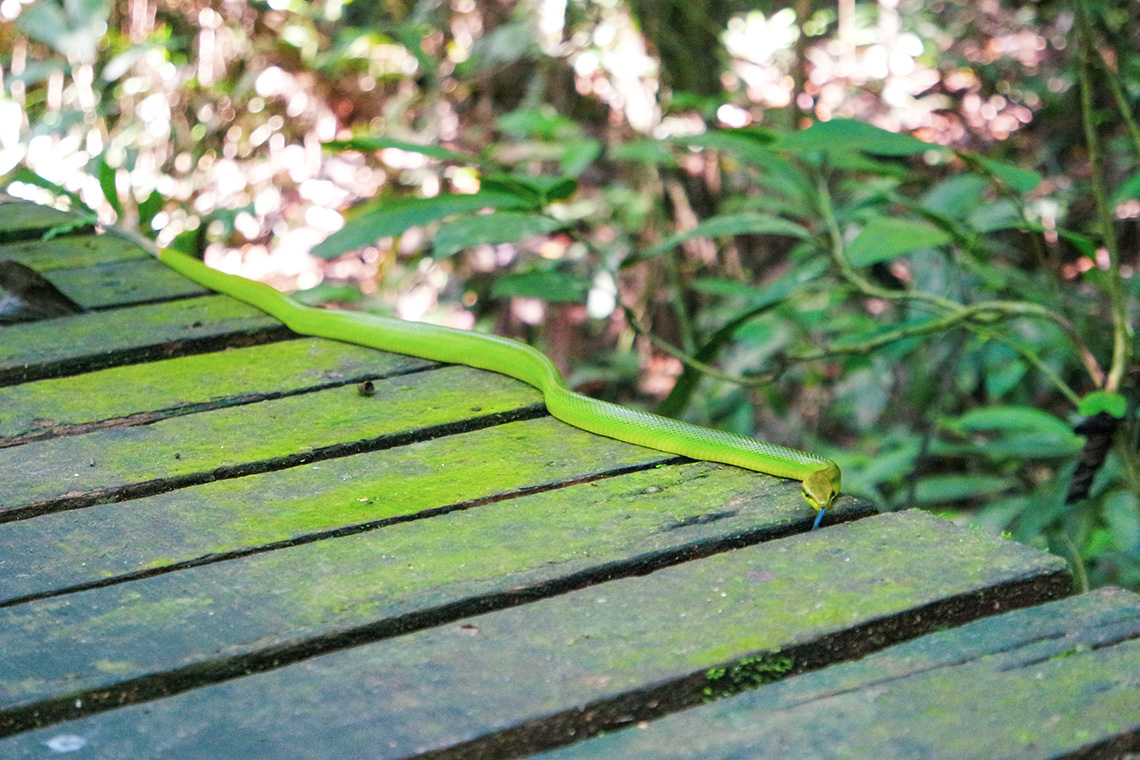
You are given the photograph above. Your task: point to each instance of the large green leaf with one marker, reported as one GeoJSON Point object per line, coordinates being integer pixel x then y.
{"type": "Point", "coordinates": [747, 223]}
{"type": "Point", "coordinates": [385, 218]}
{"type": "Point", "coordinates": [1011, 419]}
{"type": "Point", "coordinates": [848, 135]}
{"type": "Point", "coordinates": [885, 238]}
{"type": "Point", "coordinates": [490, 229]}
{"type": "Point", "coordinates": [546, 285]}
{"type": "Point", "coordinates": [1019, 432]}
{"type": "Point", "coordinates": [1021, 180]}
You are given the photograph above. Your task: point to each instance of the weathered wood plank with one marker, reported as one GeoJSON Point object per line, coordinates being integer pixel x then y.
{"type": "Point", "coordinates": [218, 520]}
{"type": "Point", "coordinates": [85, 342]}
{"type": "Point", "coordinates": [123, 284]}
{"type": "Point", "coordinates": [46, 256]}
{"type": "Point", "coordinates": [290, 603]}
{"type": "Point", "coordinates": [118, 463]}
{"type": "Point", "coordinates": [1059, 680]}
{"type": "Point", "coordinates": [512, 680]}
{"type": "Point", "coordinates": [20, 219]}
{"type": "Point", "coordinates": [146, 393]}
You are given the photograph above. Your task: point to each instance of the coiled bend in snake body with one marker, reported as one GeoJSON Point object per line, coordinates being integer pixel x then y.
{"type": "Point", "coordinates": [821, 477]}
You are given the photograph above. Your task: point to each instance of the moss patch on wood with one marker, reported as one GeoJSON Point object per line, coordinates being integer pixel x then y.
{"type": "Point", "coordinates": [109, 465]}
{"type": "Point", "coordinates": [69, 345]}
{"type": "Point", "coordinates": [145, 393]}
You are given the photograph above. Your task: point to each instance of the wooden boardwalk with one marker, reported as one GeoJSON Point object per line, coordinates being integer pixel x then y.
{"type": "Point", "coordinates": [213, 546]}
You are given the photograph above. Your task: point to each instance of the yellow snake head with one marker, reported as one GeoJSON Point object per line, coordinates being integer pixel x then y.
{"type": "Point", "coordinates": [821, 488]}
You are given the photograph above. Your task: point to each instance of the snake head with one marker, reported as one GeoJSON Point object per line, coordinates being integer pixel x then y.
{"type": "Point", "coordinates": [820, 489]}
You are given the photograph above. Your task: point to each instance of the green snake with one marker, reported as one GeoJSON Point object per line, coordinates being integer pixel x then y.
{"type": "Point", "coordinates": [821, 477]}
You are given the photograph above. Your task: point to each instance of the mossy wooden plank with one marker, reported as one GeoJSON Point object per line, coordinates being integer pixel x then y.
{"type": "Point", "coordinates": [116, 463]}
{"type": "Point", "coordinates": [73, 251]}
{"type": "Point", "coordinates": [530, 676]}
{"type": "Point", "coordinates": [245, 514]}
{"type": "Point", "coordinates": [145, 393]}
{"type": "Point", "coordinates": [209, 620]}
{"type": "Point", "coordinates": [124, 283]}
{"type": "Point", "coordinates": [1058, 680]}
{"type": "Point", "coordinates": [19, 219]}
{"type": "Point", "coordinates": [83, 342]}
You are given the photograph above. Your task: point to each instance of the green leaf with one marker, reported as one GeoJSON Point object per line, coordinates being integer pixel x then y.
{"type": "Point", "coordinates": [941, 489]}
{"type": "Point", "coordinates": [539, 190]}
{"type": "Point", "coordinates": [1083, 243]}
{"type": "Point", "coordinates": [149, 208]}
{"type": "Point", "coordinates": [1011, 419]}
{"type": "Point", "coordinates": [747, 223]}
{"type": "Point", "coordinates": [557, 188]}
{"type": "Point", "coordinates": [1129, 190]}
{"type": "Point", "coordinates": [850, 135]}
{"type": "Point", "coordinates": [1021, 180]}
{"type": "Point", "coordinates": [371, 144]}
{"type": "Point", "coordinates": [490, 229]}
{"type": "Point", "coordinates": [1108, 402]}
{"type": "Point", "coordinates": [1019, 432]}
{"type": "Point", "coordinates": [546, 285]}
{"type": "Point", "coordinates": [885, 238]}
{"type": "Point", "coordinates": [955, 196]}
{"type": "Point", "coordinates": [386, 218]}
{"type": "Point", "coordinates": [107, 185]}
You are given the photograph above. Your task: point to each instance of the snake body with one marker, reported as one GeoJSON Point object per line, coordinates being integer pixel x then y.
{"type": "Point", "coordinates": [821, 477]}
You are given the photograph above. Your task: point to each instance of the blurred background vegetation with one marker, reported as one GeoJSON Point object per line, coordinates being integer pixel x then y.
{"type": "Point", "coordinates": [900, 233]}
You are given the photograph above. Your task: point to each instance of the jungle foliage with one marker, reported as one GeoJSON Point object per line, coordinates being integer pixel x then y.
{"type": "Point", "coordinates": [725, 238]}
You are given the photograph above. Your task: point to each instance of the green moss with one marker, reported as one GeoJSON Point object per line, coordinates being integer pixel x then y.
{"type": "Point", "coordinates": [175, 383]}
{"type": "Point", "coordinates": [747, 674]}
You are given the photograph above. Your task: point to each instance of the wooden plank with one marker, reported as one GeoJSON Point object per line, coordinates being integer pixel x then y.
{"type": "Point", "coordinates": [20, 220]}
{"type": "Point", "coordinates": [145, 393]}
{"type": "Point", "coordinates": [219, 520]}
{"type": "Point", "coordinates": [123, 283]}
{"type": "Point", "coordinates": [298, 600]}
{"type": "Point", "coordinates": [119, 463]}
{"type": "Point", "coordinates": [85, 342]}
{"type": "Point", "coordinates": [498, 684]}
{"type": "Point", "coordinates": [1059, 680]}
{"type": "Point", "coordinates": [71, 252]}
